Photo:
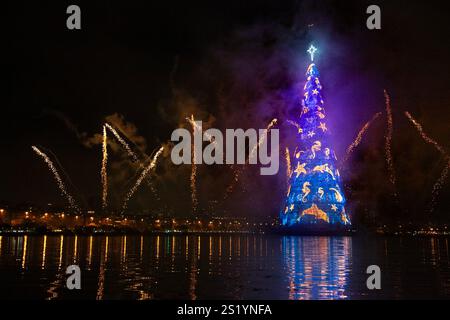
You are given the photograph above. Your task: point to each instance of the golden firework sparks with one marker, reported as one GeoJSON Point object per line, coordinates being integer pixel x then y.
{"type": "Point", "coordinates": [439, 183]}
{"type": "Point", "coordinates": [193, 168]}
{"type": "Point", "coordinates": [195, 126]}
{"type": "Point", "coordinates": [424, 135]}
{"type": "Point", "coordinates": [438, 186]}
{"type": "Point", "coordinates": [238, 171]}
{"type": "Point", "coordinates": [261, 140]}
{"type": "Point", "coordinates": [359, 137]}
{"type": "Point", "coordinates": [144, 173]}
{"type": "Point", "coordinates": [58, 179]}
{"type": "Point", "coordinates": [134, 156]}
{"type": "Point", "coordinates": [388, 139]}
{"type": "Point", "coordinates": [123, 143]}
{"type": "Point", "coordinates": [103, 173]}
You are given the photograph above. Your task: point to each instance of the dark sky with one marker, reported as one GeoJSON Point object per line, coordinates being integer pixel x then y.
{"type": "Point", "coordinates": [149, 64]}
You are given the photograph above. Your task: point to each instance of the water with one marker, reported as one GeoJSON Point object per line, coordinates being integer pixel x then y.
{"type": "Point", "coordinates": [223, 267]}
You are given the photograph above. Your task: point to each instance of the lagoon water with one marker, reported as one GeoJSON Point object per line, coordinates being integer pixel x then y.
{"type": "Point", "coordinates": [223, 267]}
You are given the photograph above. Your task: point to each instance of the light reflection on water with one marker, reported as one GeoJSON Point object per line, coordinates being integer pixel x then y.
{"type": "Point", "coordinates": [222, 266]}
{"type": "Point", "coordinates": [317, 267]}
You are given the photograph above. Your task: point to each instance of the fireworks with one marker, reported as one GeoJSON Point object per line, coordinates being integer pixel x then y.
{"type": "Point", "coordinates": [123, 143]}
{"type": "Point", "coordinates": [133, 155]}
{"type": "Point", "coordinates": [261, 140]}
{"type": "Point", "coordinates": [194, 187]}
{"type": "Point", "coordinates": [194, 168]}
{"type": "Point", "coordinates": [191, 121]}
{"type": "Point", "coordinates": [103, 173]}
{"type": "Point", "coordinates": [196, 127]}
{"type": "Point", "coordinates": [424, 135]}
{"type": "Point", "coordinates": [359, 137]}
{"type": "Point", "coordinates": [237, 172]}
{"type": "Point", "coordinates": [141, 178]}
{"type": "Point", "coordinates": [295, 124]}
{"type": "Point", "coordinates": [272, 123]}
{"type": "Point", "coordinates": [58, 179]}
{"type": "Point", "coordinates": [388, 139]}
{"type": "Point", "coordinates": [438, 185]}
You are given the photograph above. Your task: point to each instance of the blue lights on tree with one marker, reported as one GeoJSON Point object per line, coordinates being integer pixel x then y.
{"type": "Point", "coordinates": [314, 195]}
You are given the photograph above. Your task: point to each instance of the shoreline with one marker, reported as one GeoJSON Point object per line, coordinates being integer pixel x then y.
{"type": "Point", "coordinates": [349, 233]}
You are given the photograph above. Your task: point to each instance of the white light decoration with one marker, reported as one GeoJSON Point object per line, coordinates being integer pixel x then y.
{"type": "Point", "coordinates": [312, 50]}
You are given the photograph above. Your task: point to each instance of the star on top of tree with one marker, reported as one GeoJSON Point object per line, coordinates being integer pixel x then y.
{"type": "Point", "coordinates": [312, 50]}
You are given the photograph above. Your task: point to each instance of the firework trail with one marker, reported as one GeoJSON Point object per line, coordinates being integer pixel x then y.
{"type": "Point", "coordinates": [141, 178]}
{"type": "Point", "coordinates": [261, 140]}
{"type": "Point", "coordinates": [196, 127]}
{"type": "Point", "coordinates": [237, 172]}
{"type": "Point", "coordinates": [230, 188]}
{"type": "Point", "coordinates": [103, 173]}
{"type": "Point", "coordinates": [288, 165]}
{"type": "Point", "coordinates": [359, 137]}
{"type": "Point", "coordinates": [194, 185]}
{"type": "Point", "coordinates": [388, 139]}
{"type": "Point", "coordinates": [66, 175]}
{"type": "Point", "coordinates": [123, 143]}
{"type": "Point", "coordinates": [438, 185]}
{"type": "Point", "coordinates": [295, 124]}
{"type": "Point", "coordinates": [150, 181]}
{"type": "Point", "coordinates": [133, 155]}
{"type": "Point", "coordinates": [193, 168]}
{"type": "Point", "coordinates": [58, 179]}
{"type": "Point", "coordinates": [424, 135]}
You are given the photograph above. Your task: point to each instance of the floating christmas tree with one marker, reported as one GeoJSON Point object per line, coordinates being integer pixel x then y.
{"type": "Point", "coordinates": [314, 194]}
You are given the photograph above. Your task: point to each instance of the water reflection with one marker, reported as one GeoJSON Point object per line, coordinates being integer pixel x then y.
{"type": "Point", "coordinates": [44, 251]}
{"type": "Point", "coordinates": [90, 252]}
{"type": "Point", "coordinates": [75, 249]}
{"type": "Point", "coordinates": [221, 266]}
{"type": "Point", "coordinates": [61, 247]}
{"type": "Point", "coordinates": [24, 251]}
{"type": "Point", "coordinates": [102, 271]}
{"type": "Point", "coordinates": [317, 267]}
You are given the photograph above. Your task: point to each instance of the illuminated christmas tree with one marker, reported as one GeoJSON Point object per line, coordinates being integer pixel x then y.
{"type": "Point", "coordinates": [314, 195]}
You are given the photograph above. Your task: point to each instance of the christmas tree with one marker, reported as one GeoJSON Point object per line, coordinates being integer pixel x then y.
{"type": "Point", "coordinates": [314, 195]}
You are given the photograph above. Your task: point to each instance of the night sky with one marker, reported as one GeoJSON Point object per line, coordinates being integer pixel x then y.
{"type": "Point", "coordinates": [146, 65]}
